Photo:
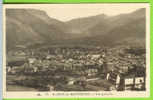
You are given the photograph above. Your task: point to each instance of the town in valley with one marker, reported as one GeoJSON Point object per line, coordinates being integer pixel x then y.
{"type": "Point", "coordinates": [95, 53]}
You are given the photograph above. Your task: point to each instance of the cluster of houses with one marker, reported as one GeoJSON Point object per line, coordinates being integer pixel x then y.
{"type": "Point", "coordinates": [131, 80]}
{"type": "Point", "coordinates": [116, 67]}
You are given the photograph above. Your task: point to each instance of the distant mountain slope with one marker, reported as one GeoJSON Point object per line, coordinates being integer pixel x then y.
{"type": "Point", "coordinates": [25, 26]}
{"type": "Point", "coordinates": [81, 25]}
{"type": "Point", "coordinates": [30, 26]}
{"type": "Point", "coordinates": [119, 21]}
{"type": "Point", "coordinates": [124, 26]}
{"type": "Point", "coordinates": [114, 29]}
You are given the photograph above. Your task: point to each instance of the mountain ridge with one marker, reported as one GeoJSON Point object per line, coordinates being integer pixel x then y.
{"type": "Point", "coordinates": [31, 26]}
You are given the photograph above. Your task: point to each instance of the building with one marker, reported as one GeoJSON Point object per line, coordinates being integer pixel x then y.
{"type": "Point", "coordinates": [132, 82]}
{"type": "Point", "coordinates": [31, 60]}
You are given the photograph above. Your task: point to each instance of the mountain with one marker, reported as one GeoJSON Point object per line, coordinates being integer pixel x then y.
{"type": "Point", "coordinates": [119, 21]}
{"type": "Point", "coordinates": [122, 26]}
{"type": "Point", "coordinates": [81, 25]}
{"type": "Point", "coordinates": [110, 30]}
{"type": "Point", "coordinates": [31, 27]}
{"type": "Point", "coordinates": [28, 26]}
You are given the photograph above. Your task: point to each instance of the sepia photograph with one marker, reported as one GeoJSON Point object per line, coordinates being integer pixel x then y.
{"type": "Point", "coordinates": [76, 48]}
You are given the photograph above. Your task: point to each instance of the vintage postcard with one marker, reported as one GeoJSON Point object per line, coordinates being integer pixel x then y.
{"type": "Point", "coordinates": [96, 50]}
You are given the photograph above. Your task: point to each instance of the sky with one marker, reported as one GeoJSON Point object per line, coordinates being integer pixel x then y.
{"type": "Point", "coordinates": [66, 12]}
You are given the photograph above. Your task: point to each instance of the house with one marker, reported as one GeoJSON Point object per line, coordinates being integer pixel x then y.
{"type": "Point", "coordinates": [91, 70]}
{"type": "Point", "coordinates": [96, 56]}
{"type": "Point", "coordinates": [31, 60]}
{"type": "Point", "coordinates": [114, 78]}
{"type": "Point", "coordinates": [127, 83]}
{"type": "Point", "coordinates": [139, 83]}
{"type": "Point", "coordinates": [20, 53]}
{"type": "Point", "coordinates": [48, 57]}
{"type": "Point", "coordinates": [132, 82]}
{"type": "Point", "coordinates": [75, 80]}
{"type": "Point", "coordinates": [12, 65]}
{"type": "Point", "coordinates": [71, 81]}
{"type": "Point", "coordinates": [50, 87]}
